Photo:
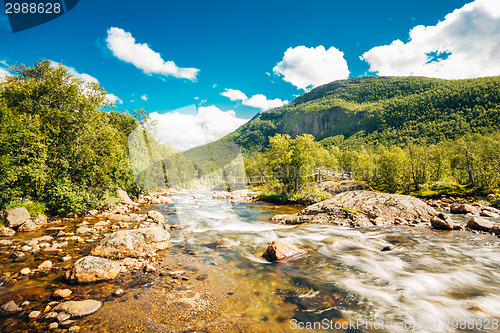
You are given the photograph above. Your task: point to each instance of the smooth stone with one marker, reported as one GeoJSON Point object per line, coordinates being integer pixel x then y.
{"type": "Point", "coordinates": [46, 265]}
{"type": "Point", "coordinates": [62, 293]}
{"type": "Point", "coordinates": [280, 250]}
{"type": "Point", "coordinates": [91, 269]}
{"type": "Point", "coordinates": [79, 308]}
{"type": "Point", "coordinates": [25, 271]}
{"type": "Point", "coordinates": [10, 308]}
{"type": "Point", "coordinates": [53, 326]}
{"type": "Point", "coordinates": [480, 224]}
{"type": "Point", "coordinates": [34, 314]}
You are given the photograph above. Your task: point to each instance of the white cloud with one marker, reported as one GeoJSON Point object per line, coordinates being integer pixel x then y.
{"type": "Point", "coordinates": [4, 70]}
{"type": "Point", "coordinates": [144, 98]}
{"type": "Point", "coordinates": [234, 95]}
{"type": "Point", "coordinates": [260, 101]}
{"type": "Point", "coordinates": [185, 131]}
{"type": "Point", "coordinates": [257, 101]}
{"type": "Point", "coordinates": [310, 67]}
{"type": "Point", "coordinates": [465, 44]}
{"type": "Point", "coordinates": [114, 99]}
{"type": "Point", "coordinates": [86, 78]}
{"type": "Point", "coordinates": [124, 47]}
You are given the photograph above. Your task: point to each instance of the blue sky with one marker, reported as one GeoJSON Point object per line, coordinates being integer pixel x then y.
{"type": "Point", "coordinates": [220, 45]}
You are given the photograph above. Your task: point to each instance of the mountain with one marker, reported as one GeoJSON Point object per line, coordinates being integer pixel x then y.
{"type": "Point", "coordinates": [373, 110]}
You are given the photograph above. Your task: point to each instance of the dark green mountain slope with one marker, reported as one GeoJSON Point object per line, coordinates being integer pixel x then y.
{"type": "Point", "coordinates": [373, 110]}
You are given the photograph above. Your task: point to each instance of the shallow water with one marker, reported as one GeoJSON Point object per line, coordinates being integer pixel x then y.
{"type": "Point", "coordinates": [428, 282]}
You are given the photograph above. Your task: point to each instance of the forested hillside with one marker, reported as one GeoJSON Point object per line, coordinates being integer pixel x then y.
{"type": "Point", "coordinates": [373, 110]}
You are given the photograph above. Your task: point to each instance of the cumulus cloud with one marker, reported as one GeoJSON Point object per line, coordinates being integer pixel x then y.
{"type": "Point", "coordinates": [306, 67]}
{"type": "Point", "coordinates": [86, 78]}
{"type": "Point", "coordinates": [114, 99]}
{"type": "Point", "coordinates": [257, 101]}
{"type": "Point", "coordinates": [185, 131]}
{"type": "Point", "coordinates": [124, 47]}
{"type": "Point", "coordinates": [465, 44]}
{"type": "Point", "coordinates": [234, 95]}
{"type": "Point", "coordinates": [144, 98]}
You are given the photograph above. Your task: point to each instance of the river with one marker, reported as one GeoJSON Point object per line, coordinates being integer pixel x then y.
{"type": "Point", "coordinates": [374, 279]}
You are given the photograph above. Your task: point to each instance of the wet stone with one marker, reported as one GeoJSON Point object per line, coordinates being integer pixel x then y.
{"type": "Point", "coordinates": [53, 326]}
{"type": "Point", "coordinates": [79, 308]}
{"type": "Point", "coordinates": [10, 308]}
{"type": "Point", "coordinates": [34, 314]}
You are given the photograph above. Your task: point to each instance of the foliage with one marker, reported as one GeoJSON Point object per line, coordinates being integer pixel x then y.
{"type": "Point", "coordinates": [35, 208]}
{"type": "Point", "coordinates": [307, 195]}
{"type": "Point", "coordinates": [57, 145]}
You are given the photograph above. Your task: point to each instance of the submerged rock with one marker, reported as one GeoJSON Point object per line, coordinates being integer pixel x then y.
{"type": "Point", "coordinates": [280, 250]}
{"type": "Point", "coordinates": [79, 308]}
{"type": "Point", "coordinates": [363, 208]}
{"type": "Point", "coordinates": [92, 269]}
{"type": "Point", "coordinates": [133, 243]}
{"type": "Point", "coordinates": [62, 293]}
{"type": "Point", "coordinates": [14, 217]}
{"type": "Point", "coordinates": [442, 222]}
{"type": "Point", "coordinates": [10, 308]}
{"type": "Point", "coordinates": [480, 224]}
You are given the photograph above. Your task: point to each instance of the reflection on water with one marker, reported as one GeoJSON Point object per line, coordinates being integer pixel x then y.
{"type": "Point", "coordinates": [426, 280]}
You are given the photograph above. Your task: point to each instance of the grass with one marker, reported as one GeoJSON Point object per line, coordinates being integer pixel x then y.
{"type": "Point", "coordinates": [34, 208]}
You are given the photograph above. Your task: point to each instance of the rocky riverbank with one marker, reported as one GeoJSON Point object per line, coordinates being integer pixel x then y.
{"type": "Point", "coordinates": [111, 247]}
{"type": "Point", "coordinates": [361, 208]}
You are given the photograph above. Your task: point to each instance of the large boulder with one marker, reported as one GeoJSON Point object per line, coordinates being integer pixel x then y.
{"type": "Point", "coordinates": [280, 250]}
{"type": "Point", "coordinates": [124, 198]}
{"type": "Point", "coordinates": [363, 208]}
{"type": "Point", "coordinates": [463, 209]}
{"type": "Point", "coordinates": [79, 308]}
{"type": "Point", "coordinates": [136, 243]}
{"type": "Point", "coordinates": [30, 225]}
{"type": "Point", "coordinates": [442, 222]}
{"type": "Point", "coordinates": [480, 224]}
{"type": "Point", "coordinates": [14, 217]}
{"type": "Point", "coordinates": [92, 269]}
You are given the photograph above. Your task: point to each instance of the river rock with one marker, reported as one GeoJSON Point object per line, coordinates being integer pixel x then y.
{"type": "Point", "coordinates": [30, 225]}
{"type": "Point", "coordinates": [124, 198]}
{"type": "Point", "coordinates": [496, 229]}
{"type": "Point", "coordinates": [34, 314]}
{"type": "Point", "coordinates": [133, 243]}
{"type": "Point", "coordinates": [7, 232]}
{"type": "Point", "coordinates": [222, 195]}
{"type": "Point", "coordinates": [25, 271]}
{"type": "Point", "coordinates": [46, 265]}
{"type": "Point", "coordinates": [93, 212]}
{"type": "Point", "coordinates": [156, 216]}
{"type": "Point", "coordinates": [124, 218]}
{"type": "Point", "coordinates": [79, 308]}
{"type": "Point", "coordinates": [83, 230]}
{"type": "Point", "coordinates": [463, 209]}
{"type": "Point", "coordinates": [280, 250]}
{"type": "Point", "coordinates": [62, 293]}
{"type": "Point", "coordinates": [442, 222]}
{"type": "Point", "coordinates": [363, 208]}
{"type": "Point", "coordinates": [491, 197]}
{"type": "Point", "coordinates": [489, 212]}
{"type": "Point", "coordinates": [53, 326]}
{"type": "Point", "coordinates": [165, 200]}
{"type": "Point", "coordinates": [91, 269]}
{"type": "Point", "coordinates": [480, 224]}
{"type": "Point", "coordinates": [10, 308]}
{"type": "Point", "coordinates": [14, 217]}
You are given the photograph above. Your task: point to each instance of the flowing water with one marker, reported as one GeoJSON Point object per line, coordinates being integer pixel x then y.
{"type": "Point", "coordinates": [375, 279]}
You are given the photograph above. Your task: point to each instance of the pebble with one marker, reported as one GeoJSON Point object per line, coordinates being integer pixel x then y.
{"type": "Point", "coordinates": [53, 326]}
{"type": "Point", "coordinates": [51, 315]}
{"type": "Point", "coordinates": [62, 316]}
{"type": "Point", "coordinates": [118, 292]}
{"type": "Point", "coordinates": [62, 293]}
{"type": "Point", "coordinates": [47, 264]}
{"type": "Point", "coordinates": [74, 329]}
{"type": "Point", "coordinates": [34, 314]}
{"type": "Point", "coordinates": [25, 271]}
{"type": "Point", "coordinates": [201, 277]}
{"type": "Point", "coordinates": [25, 303]}
{"type": "Point", "coordinates": [66, 258]}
